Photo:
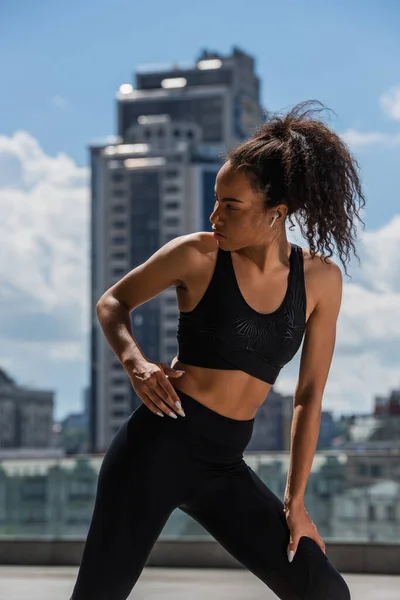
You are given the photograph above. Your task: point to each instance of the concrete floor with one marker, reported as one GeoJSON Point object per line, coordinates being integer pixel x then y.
{"type": "Point", "coordinates": [56, 583]}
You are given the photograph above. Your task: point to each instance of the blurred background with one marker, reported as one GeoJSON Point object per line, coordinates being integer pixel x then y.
{"type": "Point", "coordinates": [113, 118]}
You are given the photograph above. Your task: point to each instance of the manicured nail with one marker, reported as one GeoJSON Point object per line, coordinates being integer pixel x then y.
{"type": "Point", "coordinates": [173, 415]}
{"type": "Point", "coordinates": [160, 414]}
{"type": "Point", "coordinates": [180, 410]}
{"type": "Point", "coordinates": [290, 556]}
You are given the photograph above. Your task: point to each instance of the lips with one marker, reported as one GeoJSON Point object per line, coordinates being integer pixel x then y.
{"type": "Point", "coordinates": [219, 233]}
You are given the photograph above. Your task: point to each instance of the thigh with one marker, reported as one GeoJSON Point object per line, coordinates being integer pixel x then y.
{"type": "Point", "coordinates": [138, 488]}
{"type": "Point", "coordinates": [247, 519]}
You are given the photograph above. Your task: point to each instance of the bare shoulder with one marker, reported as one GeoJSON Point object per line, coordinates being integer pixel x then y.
{"type": "Point", "coordinates": [202, 241]}
{"type": "Point", "coordinates": [201, 249]}
{"type": "Point", "coordinates": [323, 278]}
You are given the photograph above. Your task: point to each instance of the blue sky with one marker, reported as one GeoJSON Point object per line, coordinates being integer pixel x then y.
{"type": "Point", "coordinates": [342, 53]}
{"type": "Point", "coordinates": [62, 63]}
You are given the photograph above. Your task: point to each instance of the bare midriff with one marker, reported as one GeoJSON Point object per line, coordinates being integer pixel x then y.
{"type": "Point", "coordinates": [234, 394]}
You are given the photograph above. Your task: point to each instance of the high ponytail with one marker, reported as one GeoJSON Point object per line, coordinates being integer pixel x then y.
{"type": "Point", "coordinates": [297, 160]}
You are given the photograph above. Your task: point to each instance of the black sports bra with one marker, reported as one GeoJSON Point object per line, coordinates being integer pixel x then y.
{"type": "Point", "coordinates": [224, 332]}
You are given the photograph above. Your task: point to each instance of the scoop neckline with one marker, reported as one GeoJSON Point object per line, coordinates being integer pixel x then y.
{"type": "Point", "coordinates": [285, 298]}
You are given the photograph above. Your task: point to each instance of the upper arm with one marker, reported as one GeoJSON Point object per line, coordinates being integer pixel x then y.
{"type": "Point", "coordinates": [320, 336]}
{"type": "Point", "coordinates": [167, 267]}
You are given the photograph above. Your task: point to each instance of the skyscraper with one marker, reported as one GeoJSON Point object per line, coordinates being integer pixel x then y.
{"type": "Point", "coordinates": [153, 184]}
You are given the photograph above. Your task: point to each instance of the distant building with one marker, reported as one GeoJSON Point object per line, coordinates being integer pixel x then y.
{"type": "Point", "coordinates": [26, 415]}
{"type": "Point", "coordinates": [272, 424]}
{"type": "Point", "coordinates": [154, 183]}
{"type": "Point", "coordinates": [326, 432]}
{"type": "Point", "coordinates": [388, 405]}
{"type": "Point", "coordinates": [375, 432]}
{"type": "Point", "coordinates": [367, 513]}
{"type": "Point", "coordinates": [370, 466]}
{"type": "Point", "coordinates": [74, 434]}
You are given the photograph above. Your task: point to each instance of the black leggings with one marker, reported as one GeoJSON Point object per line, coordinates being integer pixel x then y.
{"type": "Point", "coordinates": [195, 463]}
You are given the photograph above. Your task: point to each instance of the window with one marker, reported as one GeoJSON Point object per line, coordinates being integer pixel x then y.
{"type": "Point", "coordinates": [172, 189]}
{"type": "Point", "coordinates": [390, 513]}
{"type": "Point", "coordinates": [119, 224]}
{"type": "Point", "coordinates": [118, 255]}
{"type": "Point", "coordinates": [117, 177]}
{"type": "Point", "coordinates": [362, 469]}
{"type": "Point", "coordinates": [117, 272]}
{"type": "Point", "coordinates": [118, 193]}
{"type": "Point", "coordinates": [118, 414]}
{"type": "Point", "coordinates": [171, 173]}
{"type": "Point", "coordinates": [118, 240]}
{"type": "Point", "coordinates": [118, 208]}
{"type": "Point", "coordinates": [171, 221]}
{"type": "Point", "coordinates": [175, 158]}
{"type": "Point", "coordinates": [172, 205]}
{"type": "Point", "coordinates": [117, 366]}
{"type": "Point", "coordinates": [371, 513]}
{"type": "Point", "coordinates": [118, 397]}
{"type": "Point", "coordinates": [376, 471]}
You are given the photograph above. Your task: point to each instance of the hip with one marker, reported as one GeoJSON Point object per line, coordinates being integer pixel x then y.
{"type": "Point", "coordinates": [203, 433]}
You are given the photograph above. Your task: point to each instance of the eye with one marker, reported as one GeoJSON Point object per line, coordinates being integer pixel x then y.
{"type": "Point", "coordinates": [229, 206]}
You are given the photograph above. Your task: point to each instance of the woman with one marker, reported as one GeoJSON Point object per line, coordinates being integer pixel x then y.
{"type": "Point", "coordinates": [247, 299]}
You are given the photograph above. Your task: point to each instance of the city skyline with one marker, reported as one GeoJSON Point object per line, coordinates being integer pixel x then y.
{"type": "Point", "coordinates": [44, 178]}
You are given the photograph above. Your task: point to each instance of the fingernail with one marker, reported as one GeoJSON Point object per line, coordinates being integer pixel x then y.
{"type": "Point", "coordinates": [178, 371]}
{"type": "Point", "coordinates": [160, 413]}
{"type": "Point", "coordinates": [290, 556]}
{"type": "Point", "coordinates": [180, 410]}
{"type": "Point", "coordinates": [173, 415]}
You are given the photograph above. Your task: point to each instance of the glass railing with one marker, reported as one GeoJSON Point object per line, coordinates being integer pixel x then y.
{"type": "Point", "coordinates": [351, 496]}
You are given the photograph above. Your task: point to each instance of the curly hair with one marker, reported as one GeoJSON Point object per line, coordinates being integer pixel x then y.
{"type": "Point", "coordinates": [297, 160]}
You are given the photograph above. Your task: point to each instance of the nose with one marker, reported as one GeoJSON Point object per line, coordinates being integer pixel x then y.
{"type": "Point", "coordinates": [212, 216]}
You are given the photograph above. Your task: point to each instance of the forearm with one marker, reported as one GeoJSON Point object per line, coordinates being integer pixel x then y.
{"type": "Point", "coordinates": [304, 438]}
{"type": "Point", "coordinates": [115, 322]}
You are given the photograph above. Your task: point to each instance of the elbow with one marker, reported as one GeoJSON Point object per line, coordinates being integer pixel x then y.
{"type": "Point", "coordinates": [109, 302]}
{"type": "Point", "coordinates": [104, 301]}
{"type": "Point", "coordinates": [100, 303]}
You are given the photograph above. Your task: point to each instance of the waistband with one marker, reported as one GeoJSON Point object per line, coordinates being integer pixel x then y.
{"type": "Point", "coordinates": [215, 432]}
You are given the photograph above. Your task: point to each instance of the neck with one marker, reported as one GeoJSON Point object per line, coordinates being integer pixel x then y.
{"type": "Point", "coordinates": [268, 255]}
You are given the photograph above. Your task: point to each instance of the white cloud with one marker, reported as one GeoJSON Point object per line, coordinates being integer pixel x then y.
{"type": "Point", "coordinates": [390, 103]}
{"type": "Point", "coordinates": [44, 262]}
{"type": "Point", "coordinates": [44, 289]}
{"type": "Point", "coordinates": [358, 139]}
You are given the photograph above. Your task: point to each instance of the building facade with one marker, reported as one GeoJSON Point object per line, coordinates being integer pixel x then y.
{"type": "Point", "coordinates": [26, 416]}
{"type": "Point", "coordinates": [153, 184]}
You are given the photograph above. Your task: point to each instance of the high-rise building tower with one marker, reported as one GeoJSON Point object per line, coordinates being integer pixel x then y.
{"type": "Point", "coordinates": [153, 184]}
